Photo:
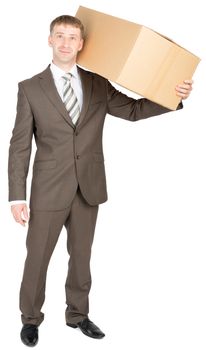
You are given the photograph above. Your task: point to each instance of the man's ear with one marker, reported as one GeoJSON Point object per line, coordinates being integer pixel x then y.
{"type": "Point", "coordinates": [50, 41]}
{"type": "Point", "coordinates": [81, 45]}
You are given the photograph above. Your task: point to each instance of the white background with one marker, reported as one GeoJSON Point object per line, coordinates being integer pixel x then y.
{"type": "Point", "coordinates": [148, 263]}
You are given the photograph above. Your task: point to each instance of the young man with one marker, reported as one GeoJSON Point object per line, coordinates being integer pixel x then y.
{"type": "Point", "coordinates": [64, 107]}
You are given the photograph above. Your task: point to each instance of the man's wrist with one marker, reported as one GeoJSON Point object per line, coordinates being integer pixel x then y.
{"type": "Point", "coordinates": [19, 201]}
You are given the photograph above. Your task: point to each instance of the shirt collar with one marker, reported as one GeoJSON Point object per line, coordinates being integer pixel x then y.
{"type": "Point", "coordinates": [58, 72]}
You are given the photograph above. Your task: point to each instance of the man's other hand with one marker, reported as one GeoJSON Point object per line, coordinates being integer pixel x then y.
{"type": "Point", "coordinates": [20, 213]}
{"type": "Point", "coordinates": [183, 90]}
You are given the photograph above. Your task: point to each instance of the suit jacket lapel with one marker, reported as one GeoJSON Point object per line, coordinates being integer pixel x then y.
{"type": "Point", "coordinates": [86, 80]}
{"type": "Point", "coordinates": [48, 86]}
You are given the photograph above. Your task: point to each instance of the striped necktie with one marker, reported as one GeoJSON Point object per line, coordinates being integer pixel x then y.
{"type": "Point", "coordinates": [70, 99]}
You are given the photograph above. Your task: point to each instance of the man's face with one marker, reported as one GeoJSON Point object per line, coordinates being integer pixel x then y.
{"type": "Point", "coordinates": [66, 42]}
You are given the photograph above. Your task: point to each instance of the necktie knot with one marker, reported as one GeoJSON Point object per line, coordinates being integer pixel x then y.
{"type": "Point", "coordinates": [67, 77]}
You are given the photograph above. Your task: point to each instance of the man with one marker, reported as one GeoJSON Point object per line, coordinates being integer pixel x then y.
{"type": "Point", "coordinates": [64, 107]}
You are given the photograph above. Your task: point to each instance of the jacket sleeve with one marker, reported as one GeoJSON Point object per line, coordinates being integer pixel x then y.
{"type": "Point", "coordinates": [20, 148]}
{"type": "Point", "coordinates": [122, 106]}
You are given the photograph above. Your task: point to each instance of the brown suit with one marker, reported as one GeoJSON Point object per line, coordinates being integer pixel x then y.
{"type": "Point", "coordinates": [68, 169]}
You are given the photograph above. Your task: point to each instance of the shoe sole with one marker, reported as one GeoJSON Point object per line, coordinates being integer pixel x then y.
{"type": "Point", "coordinates": [30, 345]}
{"type": "Point", "coordinates": [90, 336]}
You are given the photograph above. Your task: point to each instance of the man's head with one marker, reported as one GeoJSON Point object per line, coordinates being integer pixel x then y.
{"type": "Point", "coordinates": [66, 39]}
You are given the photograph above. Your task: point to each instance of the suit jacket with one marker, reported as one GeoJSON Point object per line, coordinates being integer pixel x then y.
{"type": "Point", "coordinates": [66, 155]}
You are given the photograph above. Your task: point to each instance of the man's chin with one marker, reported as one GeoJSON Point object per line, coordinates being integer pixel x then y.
{"type": "Point", "coordinates": [65, 60]}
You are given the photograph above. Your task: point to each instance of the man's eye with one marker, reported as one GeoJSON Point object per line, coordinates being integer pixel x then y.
{"type": "Point", "coordinates": [59, 36]}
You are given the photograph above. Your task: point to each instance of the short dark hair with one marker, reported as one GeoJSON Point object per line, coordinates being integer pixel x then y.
{"type": "Point", "coordinates": [66, 19]}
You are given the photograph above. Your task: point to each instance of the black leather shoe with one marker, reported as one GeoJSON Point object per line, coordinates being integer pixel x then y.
{"type": "Point", "coordinates": [88, 328]}
{"type": "Point", "coordinates": [29, 334]}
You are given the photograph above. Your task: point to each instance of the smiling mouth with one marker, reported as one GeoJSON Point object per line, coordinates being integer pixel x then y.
{"type": "Point", "coordinates": [63, 51]}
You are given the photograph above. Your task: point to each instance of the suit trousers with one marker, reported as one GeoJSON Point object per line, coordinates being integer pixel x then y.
{"type": "Point", "coordinates": [44, 229]}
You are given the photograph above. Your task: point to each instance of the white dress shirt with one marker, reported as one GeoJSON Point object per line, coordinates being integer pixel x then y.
{"type": "Point", "coordinates": [57, 74]}
{"type": "Point", "coordinates": [75, 82]}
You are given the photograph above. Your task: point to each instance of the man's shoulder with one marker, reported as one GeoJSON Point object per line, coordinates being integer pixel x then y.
{"type": "Point", "coordinates": [90, 73]}
{"type": "Point", "coordinates": [35, 77]}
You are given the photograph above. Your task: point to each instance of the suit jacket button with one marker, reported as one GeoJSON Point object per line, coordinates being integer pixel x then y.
{"type": "Point", "coordinates": [78, 156]}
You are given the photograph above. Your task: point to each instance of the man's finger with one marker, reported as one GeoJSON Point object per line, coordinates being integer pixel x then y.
{"type": "Point", "coordinates": [185, 87]}
{"type": "Point", "coordinates": [21, 222]}
{"type": "Point", "coordinates": [188, 81]}
{"type": "Point", "coordinates": [19, 219]}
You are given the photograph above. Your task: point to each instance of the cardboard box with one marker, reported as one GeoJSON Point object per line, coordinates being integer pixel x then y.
{"type": "Point", "coordinates": [135, 57]}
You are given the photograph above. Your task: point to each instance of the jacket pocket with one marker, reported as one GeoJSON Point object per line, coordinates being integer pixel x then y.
{"type": "Point", "coordinates": [98, 157]}
{"type": "Point", "coordinates": [45, 164]}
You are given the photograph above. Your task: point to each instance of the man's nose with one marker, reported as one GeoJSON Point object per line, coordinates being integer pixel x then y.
{"type": "Point", "coordinates": [66, 42]}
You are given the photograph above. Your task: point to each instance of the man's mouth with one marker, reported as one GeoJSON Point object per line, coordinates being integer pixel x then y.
{"type": "Point", "coordinates": [65, 51]}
